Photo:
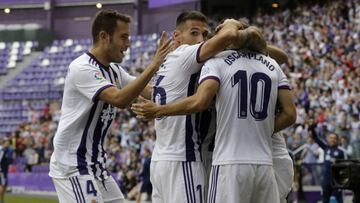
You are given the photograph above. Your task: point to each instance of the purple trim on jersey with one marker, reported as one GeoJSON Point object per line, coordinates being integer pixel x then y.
{"type": "Point", "coordinates": [210, 77]}
{"type": "Point", "coordinates": [204, 125]}
{"type": "Point", "coordinates": [104, 133]}
{"type": "Point", "coordinates": [81, 151]}
{"type": "Point", "coordinates": [94, 99]}
{"type": "Point", "coordinates": [185, 181]}
{"type": "Point", "coordinates": [198, 53]}
{"type": "Point", "coordinates": [189, 131]}
{"type": "Point", "coordinates": [95, 145]}
{"type": "Point", "coordinates": [198, 132]}
{"type": "Point", "coordinates": [284, 87]}
{"type": "Point", "coordinates": [73, 188]}
{"type": "Point", "coordinates": [97, 61]}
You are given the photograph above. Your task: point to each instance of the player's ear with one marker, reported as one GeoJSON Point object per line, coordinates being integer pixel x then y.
{"type": "Point", "coordinates": [103, 36]}
{"type": "Point", "coordinates": [176, 35]}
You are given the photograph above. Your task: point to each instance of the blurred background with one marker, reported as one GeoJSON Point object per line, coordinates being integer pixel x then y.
{"type": "Point", "coordinates": [39, 38]}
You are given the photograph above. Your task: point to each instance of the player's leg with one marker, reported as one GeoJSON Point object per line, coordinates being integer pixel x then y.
{"type": "Point", "coordinates": [76, 189]}
{"type": "Point", "coordinates": [284, 175]}
{"type": "Point", "coordinates": [231, 183]}
{"type": "Point", "coordinates": [110, 191]}
{"type": "Point", "coordinates": [156, 173]}
{"type": "Point", "coordinates": [266, 189]}
{"type": "Point", "coordinates": [194, 177]}
{"type": "Point", "coordinates": [176, 180]}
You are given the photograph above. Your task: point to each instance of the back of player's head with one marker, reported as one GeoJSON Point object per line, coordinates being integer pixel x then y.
{"type": "Point", "coordinates": [106, 20]}
{"type": "Point", "coordinates": [190, 15]}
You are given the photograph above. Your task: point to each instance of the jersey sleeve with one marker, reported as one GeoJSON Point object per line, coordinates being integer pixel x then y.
{"type": "Point", "coordinates": [283, 81]}
{"type": "Point", "coordinates": [124, 77]}
{"type": "Point", "coordinates": [190, 58]}
{"type": "Point", "coordinates": [89, 81]}
{"type": "Point", "coordinates": [210, 70]}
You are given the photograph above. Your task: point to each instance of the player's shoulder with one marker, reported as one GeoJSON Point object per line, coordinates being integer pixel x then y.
{"type": "Point", "coordinates": [220, 57]}
{"type": "Point", "coordinates": [116, 67]}
{"type": "Point", "coordinates": [82, 62]}
{"type": "Point", "coordinates": [185, 48]}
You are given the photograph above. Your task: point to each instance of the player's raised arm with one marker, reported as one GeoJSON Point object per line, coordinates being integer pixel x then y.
{"type": "Point", "coordinates": [122, 97]}
{"type": "Point", "coordinates": [198, 102]}
{"type": "Point", "coordinates": [231, 32]}
{"type": "Point", "coordinates": [278, 54]}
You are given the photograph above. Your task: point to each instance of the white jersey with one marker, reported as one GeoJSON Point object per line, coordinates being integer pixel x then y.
{"type": "Point", "coordinates": [84, 122]}
{"type": "Point", "coordinates": [177, 137]}
{"type": "Point", "coordinates": [245, 105]}
{"type": "Point", "coordinates": [279, 150]}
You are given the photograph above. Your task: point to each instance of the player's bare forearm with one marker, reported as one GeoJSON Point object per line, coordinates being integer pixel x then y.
{"type": "Point", "coordinates": [282, 121]}
{"type": "Point", "coordinates": [150, 110]}
{"type": "Point", "coordinates": [287, 115]}
{"type": "Point", "coordinates": [198, 102]}
{"type": "Point", "coordinates": [147, 91]}
{"type": "Point", "coordinates": [123, 97]}
{"type": "Point", "coordinates": [222, 39]}
{"type": "Point", "coordinates": [278, 54]}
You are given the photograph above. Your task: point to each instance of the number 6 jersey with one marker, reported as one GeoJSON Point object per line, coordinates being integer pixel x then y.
{"type": "Point", "coordinates": [245, 104]}
{"type": "Point", "coordinates": [177, 137]}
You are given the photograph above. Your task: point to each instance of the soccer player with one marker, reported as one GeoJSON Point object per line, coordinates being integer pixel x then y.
{"type": "Point", "coordinates": [94, 86]}
{"type": "Point", "coordinates": [177, 173]}
{"type": "Point", "coordinates": [247, 86]}
{"type": "Point", "coordinates": [283, 166]}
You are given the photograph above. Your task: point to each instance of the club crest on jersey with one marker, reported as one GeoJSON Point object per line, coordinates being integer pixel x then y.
{"type": "Point", "coordinates": [98, 76]}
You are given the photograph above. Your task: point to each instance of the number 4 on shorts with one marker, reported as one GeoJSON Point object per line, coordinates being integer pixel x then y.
{"type": "Point", "coordinates": [90, 188]}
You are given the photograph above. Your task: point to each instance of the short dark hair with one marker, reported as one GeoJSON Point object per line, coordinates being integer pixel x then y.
{"type": "Point", "coordinates": [190, 15]}
{"type": "Point", "coordinates": [106, 20]}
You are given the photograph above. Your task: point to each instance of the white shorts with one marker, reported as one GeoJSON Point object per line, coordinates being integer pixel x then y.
{"type": "Point", "coordinates": [243, 183]}
{"type": "Point", "coordinates": [284, 174]}
{"type": "Point", "coordinates": [86, 189]}
{"type": "Point", "coordinates": [177, 181]}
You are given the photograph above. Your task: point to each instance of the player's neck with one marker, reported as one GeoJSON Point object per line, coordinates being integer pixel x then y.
{"type": "Point", "coordinates": [100, 56]}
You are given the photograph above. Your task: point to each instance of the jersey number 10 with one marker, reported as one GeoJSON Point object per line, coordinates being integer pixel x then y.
{"type": "Point", "coordinates": [260, 88]}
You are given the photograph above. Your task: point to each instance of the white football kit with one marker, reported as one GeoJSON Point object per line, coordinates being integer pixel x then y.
{"type": "Point", "coordinates": [283, 166]}
{"type": "Point", "coordinates": [79, 155]}
{"type": "Point", "coordinates": [177, 173]}
{"type": "Point", "coordinates": [245, 103]}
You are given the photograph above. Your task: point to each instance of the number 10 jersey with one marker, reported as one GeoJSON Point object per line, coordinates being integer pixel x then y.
{"type": "Point", "coordinates": [245, 104]}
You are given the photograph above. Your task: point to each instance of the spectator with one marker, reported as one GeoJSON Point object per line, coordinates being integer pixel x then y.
{"type": "Point", "coordinates": [332, 153]}
{"type": "Point", "coordinates": [310, 157]}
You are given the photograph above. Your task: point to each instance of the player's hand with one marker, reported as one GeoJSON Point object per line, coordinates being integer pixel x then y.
{"type": "Point", "coordinates": [145, 110]}
{"type": "Point", "coordinates": [164, 47]}
{"type": "Point", "coordinates": [232, 22]}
